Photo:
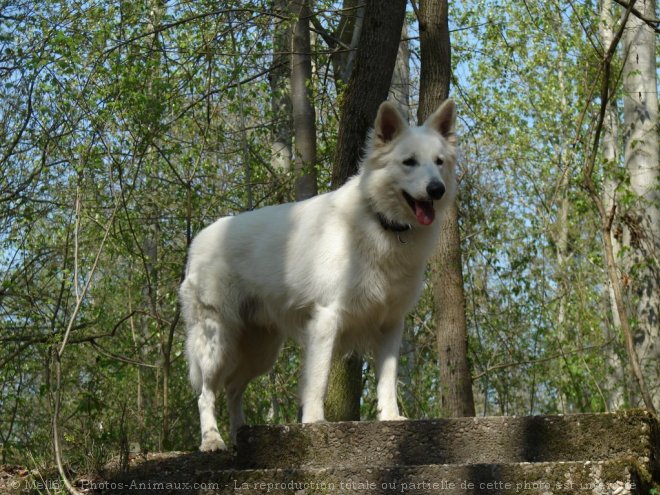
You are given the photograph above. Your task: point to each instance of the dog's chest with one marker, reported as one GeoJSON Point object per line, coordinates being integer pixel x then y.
{"type": "Point", "coordinates": [385, 285]}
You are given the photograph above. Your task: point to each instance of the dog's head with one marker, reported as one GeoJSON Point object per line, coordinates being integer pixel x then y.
{"type": "Point", "coordinates": [412, 169]}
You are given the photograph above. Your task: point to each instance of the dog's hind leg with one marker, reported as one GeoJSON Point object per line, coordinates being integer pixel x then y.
{"type": "Point", "coordinates": [211, 439]}
{"type": "Point", "coordinates": [235, 393]}
{"type": "Point", "coordinates": [258, 348]}
{"type": "Point", "coordinates": [387, 357]}
{"type": "Point", "coordinates": [207, 351]}
{"type": "Point", "coordinates": [320, 338]}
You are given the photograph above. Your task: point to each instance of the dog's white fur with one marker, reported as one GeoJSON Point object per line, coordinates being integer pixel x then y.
{"type": "Point", "coordinates": [325, 271]}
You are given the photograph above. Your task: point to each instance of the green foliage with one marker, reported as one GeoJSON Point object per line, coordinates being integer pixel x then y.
{"type": "Point", "coordinates": [532, 254]}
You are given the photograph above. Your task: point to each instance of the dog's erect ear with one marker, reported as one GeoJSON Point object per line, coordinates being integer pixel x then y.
{"type": "Point", "coordinates": [389, 123]}
{"type": "Point", "coordinates": [443, 120]}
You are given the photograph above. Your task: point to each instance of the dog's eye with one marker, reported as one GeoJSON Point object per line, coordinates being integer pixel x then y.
{"type": "Point", "coordinates": [410, 162]}
{"type": "Point", "coordinates": [439, 161]}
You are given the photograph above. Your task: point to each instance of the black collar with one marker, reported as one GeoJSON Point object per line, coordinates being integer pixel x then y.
{"type": "Point", "coordinates": [388, 224]}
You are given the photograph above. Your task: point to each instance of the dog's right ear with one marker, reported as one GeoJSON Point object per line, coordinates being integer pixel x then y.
{"type": "Point", "coordinates": [443, 120]}
{"type": "Point", "coordinates": [389, 123]}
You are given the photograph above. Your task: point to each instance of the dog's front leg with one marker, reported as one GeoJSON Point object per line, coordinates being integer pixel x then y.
{"type": "Point", "coordinates": [387, 358]}
{"type": "Point", "coordinates": [321, 334]}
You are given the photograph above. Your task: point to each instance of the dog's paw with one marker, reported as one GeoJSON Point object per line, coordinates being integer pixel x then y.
{"type": "Point", "coordinates": [212, 442]}
{"type": "Point", "coordinates": [312, 415]}
{"type": "Point", "coordinates": [395, 417]}
{"type": "Point", "coordinates": [315, 420]}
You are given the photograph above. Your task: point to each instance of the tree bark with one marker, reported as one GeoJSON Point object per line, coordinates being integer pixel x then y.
{"type": "Point", "coordinates": [304, 116]}
{"type": "Point", "coordinates": [279, 79]}
{"type": "Point", "coordinates": [342, 402]}
{"type": "Point", "coordinates": [616, 378]}
{"type": "Point", "coordinates": [348, 33]}
{"type": "Point", "coordinates": [369, 83]}
{"type": "Point", "coordinates": [400, 87]}
{"type": "Point", "coordinates": [367, 88]}
{"type": "Point", "coordinates": [642, 222]}
{"type": "Point", "coordinates": [447, 279]}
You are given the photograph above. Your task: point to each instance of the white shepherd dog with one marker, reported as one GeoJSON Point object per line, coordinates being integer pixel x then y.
{"type": "Point", "coordinates": [337, 272]}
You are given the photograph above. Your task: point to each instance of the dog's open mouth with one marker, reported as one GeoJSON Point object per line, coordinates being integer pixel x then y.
{"type": "Point", "coordinates": [423, 210]}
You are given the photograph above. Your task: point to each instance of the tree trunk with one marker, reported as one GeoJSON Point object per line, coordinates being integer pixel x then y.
{"type": "Point", "coordinates": [616, 377]}
{"type": "Point", "coordinates": [278, 78]}
{"type": "Point", "coordinates": [304, 116]}
{"type": "Point", "coordinates": [348, 33]}
{"type": "Point", "coordinates": [564, 157]}
{"type": "Point", "coordinates": [342, 402]}
{"type": "Point", "coordinates": [152, 234]}
{"type": "Point", "coordinates": [642, 233]}
{"type": "Point", "coordinates": [447, 278]}
{"type": "Point", "coordinates": [400, 87]}
{"type": "Point", "coordinates": [369, 83]}
{"type": "Point", "coordinates": [367, 88]}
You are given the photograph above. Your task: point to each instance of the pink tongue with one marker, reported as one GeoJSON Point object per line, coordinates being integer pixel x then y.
{"type": "Point", "coordinates": [424, 212]}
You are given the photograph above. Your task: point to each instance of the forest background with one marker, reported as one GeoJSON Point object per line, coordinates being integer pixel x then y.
{"type": "Point", "coordinates": [126, 127]}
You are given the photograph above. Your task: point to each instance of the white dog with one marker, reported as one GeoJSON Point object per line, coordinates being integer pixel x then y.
{"type": "Point", "coordinates": [338, 272]}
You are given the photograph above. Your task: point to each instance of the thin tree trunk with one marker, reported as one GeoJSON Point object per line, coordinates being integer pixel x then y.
{"type": "Point", "coordinates": [348, 33]}
{"type": "Point", "coordinates": [152, 235]}
{"type": "Point", "coordinates": [616, 378]}
{"type": "Point", "coordinates": [625, 326]}
{"type": "Point", "coordinates": [279, 79]}
{"type": "Point", "coordinates": [640, 111]}
{"type": "Point", "coordinates": [304, 117]}
{"type": "Point", "coordinates": [451, 324]}
{"type": "Point", "coordinates": [561, 230]}
{"type": "Point", "coordinates": [564, 156]}
{"type": "Point", "coordinates": [447, 278]}
{"type": "Point", "coordinates": [139, 400]}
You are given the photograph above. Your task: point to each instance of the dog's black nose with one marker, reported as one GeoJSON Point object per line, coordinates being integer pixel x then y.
{"type": "Point", "coordinates": [435, 189]}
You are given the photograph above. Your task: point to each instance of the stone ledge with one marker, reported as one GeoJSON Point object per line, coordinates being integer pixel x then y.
{"type": "Point", "coordinates": [597, 454]}
{"type": "Point", "coordinates": [579, 437]}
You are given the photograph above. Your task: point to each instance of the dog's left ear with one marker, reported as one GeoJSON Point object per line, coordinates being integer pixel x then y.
{"type": "Point", "coordinates": [389, 123]}
{"type": "Point", "coordinates": [443, 120]}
